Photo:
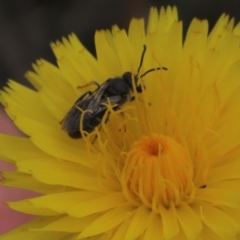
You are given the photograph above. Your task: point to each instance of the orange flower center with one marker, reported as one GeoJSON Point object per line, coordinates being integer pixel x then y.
{"type": "Point", "coordinates": [157, 171]}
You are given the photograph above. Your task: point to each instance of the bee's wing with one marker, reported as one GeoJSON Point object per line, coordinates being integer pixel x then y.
{"type": "Point", "coordinates": [99, 112]}
{"type": "Point", "coordinates": [72, 119]}
{"type": "Point", "coordinates": [96, 97]}
{"type": "Point", "coordinates": [112, 100]}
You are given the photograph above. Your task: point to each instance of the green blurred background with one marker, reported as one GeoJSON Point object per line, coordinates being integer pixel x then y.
{"type": "Point", "coordinates": [28, 26]}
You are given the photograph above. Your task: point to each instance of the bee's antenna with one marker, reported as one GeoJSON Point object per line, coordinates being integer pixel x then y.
{"type": "Point", "coordinates": [141, 62]}
{"type": "Point", "coordinates": [142, 57]}
{"type": "Point", "coordinates": [151, 70]}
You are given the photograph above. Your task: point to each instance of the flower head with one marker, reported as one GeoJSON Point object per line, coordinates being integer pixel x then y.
{"type": "Point", "coordinates": [162, 166]}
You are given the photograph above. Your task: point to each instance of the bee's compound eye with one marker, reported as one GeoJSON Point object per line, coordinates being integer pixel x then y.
{"type": "Point", "coordinates": [75, 135]}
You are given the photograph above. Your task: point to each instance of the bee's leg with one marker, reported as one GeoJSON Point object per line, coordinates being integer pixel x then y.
{"type": "Point", "coordinates": [132, 98]}
{"type": "Point", "coordinates": [89, 84]}
{"type": "Point", "coordinates": [122, 114]}
{"type": "Point", "coordinates": [83, 96]}
{"type": "Point", "coordinates": [96, 136]}
{"type": "Point", "coordinates": [107, 118]}
{"type": "Point", "coordinates": [79, 99]}
{"type": "Point", "coordinates": [124, 127]}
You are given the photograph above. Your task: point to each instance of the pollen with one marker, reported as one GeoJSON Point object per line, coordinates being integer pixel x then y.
{"type": "Point", "coordinates": [157, 171]}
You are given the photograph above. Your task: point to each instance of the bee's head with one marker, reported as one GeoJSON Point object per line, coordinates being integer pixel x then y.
{"type": "Point", "coordinates": [127, 76]}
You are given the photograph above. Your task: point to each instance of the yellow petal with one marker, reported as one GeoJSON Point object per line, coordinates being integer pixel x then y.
{"type": "Point", "coordinates": [187, 217]}
{"type": "Point", "coordinates": [219, 222]}
{"type": "Point", "coordinates": [23, 232]}
{"type": "Point", "coordinates": [26, 207]}
{"type": "Point", "coordinates": [107, 221]}
{"type": "Point", "coordinates": [169, 221]}
{"type": "Point", "coordinates": [26, 181]}
{"type": "Point", "coordinates": [97, 204]}
{"type": "Point", "coordinates": [226, 197]}
{"type": "Point", "coordinates": [138, 223]}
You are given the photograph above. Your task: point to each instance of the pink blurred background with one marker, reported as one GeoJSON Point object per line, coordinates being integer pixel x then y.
{"type": "Point", "coordinates": [10, 219]}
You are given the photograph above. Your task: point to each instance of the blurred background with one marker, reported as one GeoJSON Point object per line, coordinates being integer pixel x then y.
{"type": "Point", "coordinates": [28, 26]}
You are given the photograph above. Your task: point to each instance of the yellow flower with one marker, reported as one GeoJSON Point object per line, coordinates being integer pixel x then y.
{"type": "Point", "coordinates": [164, 166]}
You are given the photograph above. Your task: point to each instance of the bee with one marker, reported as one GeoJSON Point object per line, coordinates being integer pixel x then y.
{"type": "Point", "coordinates": [90, 108]}
{"type": "Point", "coordinates": [93, 105]}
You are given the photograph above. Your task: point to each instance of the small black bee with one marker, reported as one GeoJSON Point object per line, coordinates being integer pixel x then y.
{"type": "Point", "coordinates": [93, 106]}
{"type": "Point", "coordinates": [115, 90]}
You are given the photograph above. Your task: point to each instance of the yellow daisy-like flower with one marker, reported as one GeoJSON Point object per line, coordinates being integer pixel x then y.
{"type": "Point", "coordinates": [164, 166]}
